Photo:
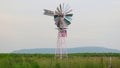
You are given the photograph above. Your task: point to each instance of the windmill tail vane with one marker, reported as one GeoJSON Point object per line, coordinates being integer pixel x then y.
{"type": "Point", "coordinates": [48, 12]}
{"type": "Point", "coordinates": [62, 17]}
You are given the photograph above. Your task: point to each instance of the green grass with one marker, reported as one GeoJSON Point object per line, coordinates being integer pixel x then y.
{"type": "Point", "coordinates": [80, 60]}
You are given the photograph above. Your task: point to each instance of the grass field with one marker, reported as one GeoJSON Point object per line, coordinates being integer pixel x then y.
{"type": "Point", "coordinates": [82, 60]}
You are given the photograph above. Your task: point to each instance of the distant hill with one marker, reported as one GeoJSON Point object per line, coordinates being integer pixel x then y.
{"type": "Point", "coordinates": [69, 50]}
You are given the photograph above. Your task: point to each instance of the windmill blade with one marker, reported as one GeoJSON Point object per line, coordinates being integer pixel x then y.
{"type": "Point", "coordinates": [68, 11]}
{"type": "Point", "coordinates": [48, 12]}
{"type": "Point", "coordinates": [66, 8]}
{"type": "Point", "coordinates": [69, 15]}
{"type": "Point", "coordinates": [56, 13]}
{"type": "Point", "coordinates": [67, 22]}
{"type": "Point", "coordinates": [68, 18]}
{"type": "Point", "coordinates": [59, 22]}
{"type": "Point", "coordinates": [56, 20]}
{"type": "Point", "coordinates": [63, 8]}
{"type": "Point", "coordinates": [55, 16]}
{"type": "Point", "coordinates": [60, 8]}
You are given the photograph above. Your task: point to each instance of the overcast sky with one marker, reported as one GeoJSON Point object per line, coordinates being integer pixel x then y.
{"type": "Point", "coordinates": [23, 25]}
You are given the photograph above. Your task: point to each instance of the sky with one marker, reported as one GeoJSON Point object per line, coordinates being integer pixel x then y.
{"type": "Point", "coordinates": [23, 25]}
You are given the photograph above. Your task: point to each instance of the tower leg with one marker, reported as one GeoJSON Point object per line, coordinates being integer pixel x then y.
{"type": "Point", "coordinates": [61, 50]}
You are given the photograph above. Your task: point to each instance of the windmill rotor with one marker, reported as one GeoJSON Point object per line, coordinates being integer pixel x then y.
{"type": "Point", "coordinates": [63, 14]}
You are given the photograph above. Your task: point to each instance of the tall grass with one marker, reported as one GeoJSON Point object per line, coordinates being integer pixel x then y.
{"type": "Point", "coordinates": [82, 60]}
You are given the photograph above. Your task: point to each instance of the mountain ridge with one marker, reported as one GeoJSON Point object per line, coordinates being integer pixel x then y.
{"type": "Point", "coordinates": [69, 50]}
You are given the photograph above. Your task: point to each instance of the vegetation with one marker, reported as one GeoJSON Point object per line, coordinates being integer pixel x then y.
{"type": "Point", "coordinates": [82, 60]}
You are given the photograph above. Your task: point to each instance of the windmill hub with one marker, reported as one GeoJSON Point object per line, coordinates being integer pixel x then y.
{"type": "Point", "coordinates": [61, 16]}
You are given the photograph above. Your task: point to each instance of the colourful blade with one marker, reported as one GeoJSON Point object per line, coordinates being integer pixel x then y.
{"type": "Point", "coordinates": [69, 15]}
{"type": "Point", "coordinates": [67, 22]}
{"type": "Point", "coordinates": [55, 16]}
{"type": "Point", "coordinates": [68, 18]}
{"type": "Point", "coordinates": [56, 20]}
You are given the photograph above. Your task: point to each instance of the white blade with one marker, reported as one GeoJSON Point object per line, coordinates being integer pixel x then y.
{"type": "Point", "coordinates": [66, 8]}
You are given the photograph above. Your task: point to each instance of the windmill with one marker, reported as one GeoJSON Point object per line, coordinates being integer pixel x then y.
{"type": "Point", "coordinates": [62, 17]}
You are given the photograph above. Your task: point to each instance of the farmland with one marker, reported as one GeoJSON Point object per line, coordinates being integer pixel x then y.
{"type": "Point", "coordinates": [80, 60]}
